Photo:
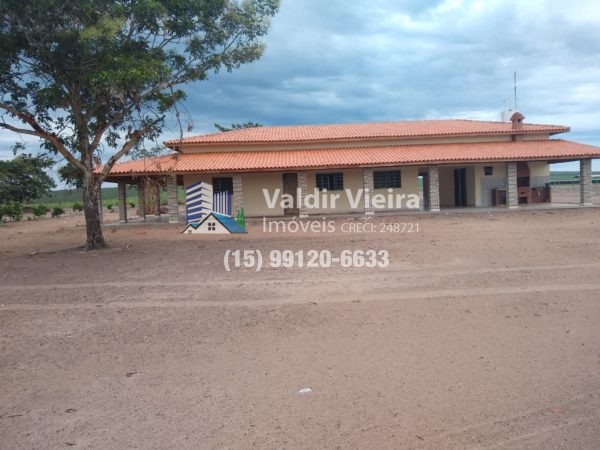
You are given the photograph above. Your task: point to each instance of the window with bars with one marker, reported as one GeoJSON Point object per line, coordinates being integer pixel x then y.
{"type": "Point", "coordinates": [222, 184]}
{"type": "Point", "coordinates": [330, 181]}
{"type": "Point", "coordinates": [385, 179]}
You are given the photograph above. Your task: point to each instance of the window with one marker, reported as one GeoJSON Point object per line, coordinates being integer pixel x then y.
{"type": "Point", "coordinates": [330, 181]}
{"type": "Point", "coordinates": [222, 184]}
{"type": "Point", "coordinates": [488, 171]}
{"type": "Point", "coordinates": [385, 179]}
{"type": "Point", "coordinates": [212, 226]}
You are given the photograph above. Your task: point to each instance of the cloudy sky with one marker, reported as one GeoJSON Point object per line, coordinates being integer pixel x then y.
{"type": "Point", "coordinates": [353, 61]}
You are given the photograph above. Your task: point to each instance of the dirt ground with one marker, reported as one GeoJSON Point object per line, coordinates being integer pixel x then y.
{"type": "Point", "coordinates": [483, 332]}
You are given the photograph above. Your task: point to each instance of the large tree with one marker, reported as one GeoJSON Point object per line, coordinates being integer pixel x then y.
{"type": "Point", "coordinates": [24, 178]}
{"type": "Point", "coordinates": [94, 78]}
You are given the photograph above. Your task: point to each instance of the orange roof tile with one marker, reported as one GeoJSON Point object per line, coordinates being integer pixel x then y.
{"type": "Point", "coordinates": [373, 130]}
{"type": "Point", "coordinates": [257, 161]}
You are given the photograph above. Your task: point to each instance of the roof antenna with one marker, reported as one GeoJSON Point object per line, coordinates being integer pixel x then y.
{"type": "Point", "coordinates": [515, 82]}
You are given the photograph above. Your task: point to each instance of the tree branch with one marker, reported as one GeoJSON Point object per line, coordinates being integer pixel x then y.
{"type": "Point", "coordinates": [135, 136]}
{"type": "Point", "coordinates": [37, 130]}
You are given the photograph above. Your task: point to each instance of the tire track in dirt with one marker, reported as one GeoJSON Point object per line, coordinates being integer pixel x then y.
{"type": "Point", "coordinates": [524, 428]}
{"type": "Point", "coordinates": [302, 299]}
{"type": "Point", "coordinates": [421, 272]}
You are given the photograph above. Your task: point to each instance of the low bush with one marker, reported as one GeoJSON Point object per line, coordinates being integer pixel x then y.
{"type": "Point", "coordinates": [57, 211]}
{"type": "Point", "coordinates": [132, 204]}
{"type": "Point", "coordinates": [13, 210]}
{"type": "Point", "coordinates": [110, 206]}
{"type": "Point", "coordinates": [39, 211]}
{"type": "Point", "coordinates": [77, 207]}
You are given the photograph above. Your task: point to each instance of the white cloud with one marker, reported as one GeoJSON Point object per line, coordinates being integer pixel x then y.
{"type": "Point", "coordinates": [340, 61]}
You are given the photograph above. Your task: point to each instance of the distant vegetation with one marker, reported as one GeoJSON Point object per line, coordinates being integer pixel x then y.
{"type": "Point", "coordinates": [67, 198]}
{"type": "Point", "coordinates": [570, 177]}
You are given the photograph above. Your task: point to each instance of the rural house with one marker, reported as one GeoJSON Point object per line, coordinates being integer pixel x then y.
{"type": "Point", "coordinates": [462, 163]}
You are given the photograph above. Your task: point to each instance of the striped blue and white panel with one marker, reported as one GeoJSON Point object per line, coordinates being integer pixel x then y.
{"type": "Point", "coordinates": [198, 201]}
{"type": "Point", "coordinates": [222, 203]}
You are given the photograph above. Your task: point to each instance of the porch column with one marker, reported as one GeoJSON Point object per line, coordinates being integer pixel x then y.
{"type": "Point", "coordinates": [512, 196]}
{"type": "Point", "coordinates": [142, 200]}
{"type": "Point", "coordinates": [303, 187]}
{"type": "Point", "coordinates": [100, 209]}
{"type": "Point", "coordinates": [585, 182]}
{"type": "Point", "coordinates": [237, 198]}
{"type": "Point", "coordinates": [122, 201]}
{"type": "Point", "coordinates": [156, 188]}
{"type": "Point", "coordinates": [172, 193]}
{"type": "Point", "coordinates": [368, 187]}
{"type": "Point", "coordinates": [433, 179]}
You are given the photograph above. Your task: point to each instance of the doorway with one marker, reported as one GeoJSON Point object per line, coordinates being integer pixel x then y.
{"type": "Point", "coordinates": [290, 187]}
{"type": "Point", "coordinates": [460, 187]}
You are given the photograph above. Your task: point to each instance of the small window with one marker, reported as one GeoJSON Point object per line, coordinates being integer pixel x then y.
{"type": "Point", "coordinates": [212, 226]}
{"type": "Point", "coordinates": [330, 181]}
{"type": "Point", "coordinates": [222, 184]}
{"type": "Point", "coordinates": [488, 171]}
{"type": "Point", "coordinates": [385, 179]}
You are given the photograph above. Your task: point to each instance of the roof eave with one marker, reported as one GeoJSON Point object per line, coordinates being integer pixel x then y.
{"type": "Point", "coordinates": [178, 145]}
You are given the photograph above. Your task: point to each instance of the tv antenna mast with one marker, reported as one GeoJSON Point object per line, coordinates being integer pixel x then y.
{"type": "Point", "coordinates": [515, 87]}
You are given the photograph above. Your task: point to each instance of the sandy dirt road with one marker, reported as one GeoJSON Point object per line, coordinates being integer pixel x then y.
{"type": "Point", "coordinates": [483, 332]}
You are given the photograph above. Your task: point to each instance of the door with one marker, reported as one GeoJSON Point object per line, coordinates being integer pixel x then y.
{"type": "Point", "coordinates": [460, 187]}
{"type": "Point", "coordinates": [290, 187]}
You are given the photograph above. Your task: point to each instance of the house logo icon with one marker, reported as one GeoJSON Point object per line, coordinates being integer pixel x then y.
{"type": "Point", "coordinates": [210, 213]}
{"type": "Point", "coordinates": [215, 223]}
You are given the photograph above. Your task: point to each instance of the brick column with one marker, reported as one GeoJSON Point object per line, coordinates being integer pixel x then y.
{"type": "Point", "coordinates": [142, 200]}
{"type": "Point", "coordinates": [368, 189]}
{"type": "Point", "coordinates": [100, 208]}
{"type": "Point", "coordinates": [585, 182]}
{"type": "Point", "coordinates": [512, 197]}
{"type": "Point", "coordinates": [156, 188]}
{"type": "Point", "coordinates": [434, 188]}
{"type": "Point", "coordinates": [303, 187]}
{"type": "Point", "coordinates": [172, 193]}
{"type": "Point", "coordinates": [122, 201]}
{"type": "Point", "coordinates": [237, 198]}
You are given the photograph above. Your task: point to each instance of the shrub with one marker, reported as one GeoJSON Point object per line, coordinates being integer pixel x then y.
{"type": "Point", "coordinates": [132, 204]}
{"type": "Point", "coordinates": [77, 207]}
{"type": "Point", "coordinates": [40, 210]}
{"type": "Point", "coordinates": [14, 210]}
{"type": "Point", "coordinates": [109, 206]}
{"type": "Point", "coordinates": [57, 211]}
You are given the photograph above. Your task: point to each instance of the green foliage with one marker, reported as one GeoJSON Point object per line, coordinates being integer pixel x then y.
{"type": "Point", "coordinates": [77, 207]}
{"type": "Point", "coordinates": [238, 126]}
{"type": "Point", "coordinates": [24, 178]}
{"type": "Point", "coordinates": [12, 209]}
{"type": "Point", "coordinates": [96, 79]}
{"type": "Point", "coordinates": [89, 70]}
{"type": "Point", "coordinates": [40, 210]}
{"type": "Point", "coordinates": [109, 206]}
{"type": "Point", "coordinates": [69, 175]}
{"type": "Point", "coordinates": [241, 217]}
{"type": "Point", "coordinates": [132, 204]}
{"type": "Point", "coordinates": [57, 211]}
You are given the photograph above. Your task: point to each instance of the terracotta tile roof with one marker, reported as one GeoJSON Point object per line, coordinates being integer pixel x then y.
{"type": "Point", "coordinates": [248, 161]}
{"type": "Point", "coordinates": [373, 130]}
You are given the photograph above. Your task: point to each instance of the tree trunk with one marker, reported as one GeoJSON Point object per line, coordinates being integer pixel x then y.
{"type": "Point", "coordinates": [91, 189]}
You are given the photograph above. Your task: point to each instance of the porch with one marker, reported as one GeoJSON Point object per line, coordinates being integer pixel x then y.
{"type": "Point", "coordinates": [513, 184]}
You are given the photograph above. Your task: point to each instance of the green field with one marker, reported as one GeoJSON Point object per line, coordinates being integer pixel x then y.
{"type": "Point", "coordinates": [569, 177]}
{"type": "Point", "coordinates": [66, 197]}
